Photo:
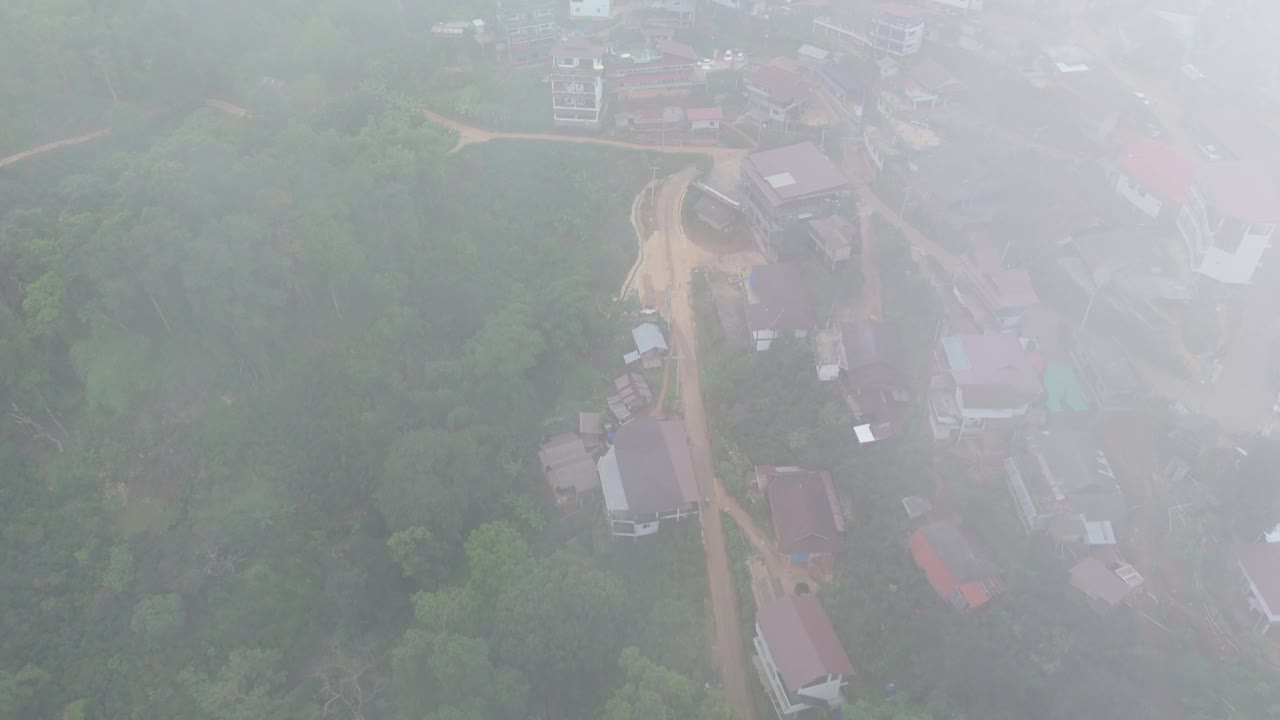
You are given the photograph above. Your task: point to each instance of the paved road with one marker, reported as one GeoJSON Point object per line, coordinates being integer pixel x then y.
{"type": "Point", "coordinates": [682, 256]}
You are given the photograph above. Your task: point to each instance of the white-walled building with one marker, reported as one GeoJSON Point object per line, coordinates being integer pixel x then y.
{"type": "Point", "coordinates": [590, 8]}
{"type": "Point", "coordinates": [577, 84]}
{"type": "Point", "coordinates": [802, 663]}
{"type": "Point", "coordinates": [647, 477]}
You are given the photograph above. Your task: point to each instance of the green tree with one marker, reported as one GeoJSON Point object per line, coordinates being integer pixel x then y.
{"type": "Point", "coordinates": [245, 688]}
{"type": "Point", "coordinates": [652, 691]}
{"type": "Point", "coordinates": [496, 557]}
{"type": "Point", "coordinates": [156, 616]}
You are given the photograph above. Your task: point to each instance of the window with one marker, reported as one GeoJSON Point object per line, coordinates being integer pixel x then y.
{"type": "Point", "coordinates": [1261, 228]}
{"type": "Point", "coordinates": [546, 27]}
{"type": "Point", "coordinates": [545, 12]}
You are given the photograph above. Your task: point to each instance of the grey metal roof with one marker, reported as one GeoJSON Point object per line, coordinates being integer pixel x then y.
{"type": "Point", "coordinates": [654, 467]}
{"type": "Point", "coordinates": [648, 336]}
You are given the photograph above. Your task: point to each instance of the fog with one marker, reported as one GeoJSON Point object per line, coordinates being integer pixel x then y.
{"type": "Point", "coordinates": [639, 359]}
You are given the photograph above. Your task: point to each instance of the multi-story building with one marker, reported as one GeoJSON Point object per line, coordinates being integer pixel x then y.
{"type": "Point", "coordinates": [577, 84]}
{"type": "Point", "coordinates": [888, 28]}
{"type": "Point", "coordinates": [684, 10]}
{"type": "Point", "coordinates": [528, 28]}
{"type": "Point", "coordinates": [590, 8]}
{"type": "Point", "coordinates": [665, 66]}
{"type": "Point", "coordinates": [785, 187]}
{"type": "Point", "coordinates": [897, 30]}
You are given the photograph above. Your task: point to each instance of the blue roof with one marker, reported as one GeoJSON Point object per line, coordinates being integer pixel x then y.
{"type": "Point", "coordinates": [957, 359]}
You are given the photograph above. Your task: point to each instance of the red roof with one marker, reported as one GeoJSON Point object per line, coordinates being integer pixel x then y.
{"type": "Point", "coordinates": [706, 113]}
{"type": "Point", "coordinates": [1159, 167]}
{"type": "Point", "coordinates": [944, 552]}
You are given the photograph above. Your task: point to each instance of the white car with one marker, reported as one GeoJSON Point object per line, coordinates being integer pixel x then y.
{"type": "Point", "coordinates": [728, 56]}
{"type": "Point", "coordinates": [1142, 98]}
{"type": "Point", "coordinates": [1211, 152]}
{"type": "Point", "coordinates": [706, 61]}
{"type": "Point", "coordinates": [742, 57]}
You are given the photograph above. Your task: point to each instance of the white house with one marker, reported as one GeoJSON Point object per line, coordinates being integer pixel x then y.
{"type": "Point", "coordinates": [647, 477]}
{"type": "Point", "coordinates": [988, 384]}
{"type": "Point", "coordinates": [1259, 566]}
{"type": "Point", "coordinates": [801, 661]}
{"type": "Point", "coordinates": [590, 8]}
{"type": "Point", "coordinates": [577, 84]}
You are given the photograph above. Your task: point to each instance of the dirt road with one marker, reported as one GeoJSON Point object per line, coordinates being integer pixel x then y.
{"type": "Point", "coordinates": [468, 135]}
{"type": "Point", "coordinates": [681, 256]}
{"type": "Point", "coordinates": [54, 146]}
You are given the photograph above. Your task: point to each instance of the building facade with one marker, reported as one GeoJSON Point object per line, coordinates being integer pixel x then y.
{"type": "Point", "coordinates": [528, 29]}
{"type": "Point", "coordinates": [577, 85]}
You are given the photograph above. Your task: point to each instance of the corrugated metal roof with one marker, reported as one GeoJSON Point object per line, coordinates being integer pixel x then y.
{"type": "Point", "coordinates": [802, 641]}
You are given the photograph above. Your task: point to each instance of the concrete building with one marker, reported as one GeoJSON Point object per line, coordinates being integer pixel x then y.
{"type": "Point", "coordinates": [577, 84]}
{"type": "Point", "coordinates": [667, 65]}
{"type": "Point", "coordinates": [527, 29]}
{"type": "Point", "coordinates": [784, 188]}
{"type": "Point", "coordinates": [892, 29]}
{"type": "Point", "coordinates": [590, 8]}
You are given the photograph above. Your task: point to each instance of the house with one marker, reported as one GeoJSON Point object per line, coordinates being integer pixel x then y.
{"type": "Point", "coordinates": [896, 29]}
{"type": "Point", "coordinates": [568, 468]}
{"type": "Point", "coordinates": [590, 8]}
{"type": "Point", "coordinates": [1259, 565]}
{"type": "Point", "coordinates": [777, 304]}
{"type": "Point", "coordinates": [647, 477]}
{"type": "Point", "coordinates": [987, 285]}
{"type": "Point", "coordinates": [667, 119]}
{"type": "Point", "coordinates": [785, 187]}
{"type": "Point", "coordinates": [1108, 374]}
{"type": "Point", "coordinates": [685, 11]}
{"type": "Point", "coordinates": [1063, 484]}
{"type": "Point", "coordinates": [667, 65]}
{"type": "Point", "coordinates": [956, 567]}
{"type": "Point", "coordinates": [812, 55]}
{"type": "Point", "coordinates": [704, 120]}
{"type": "Point", "coordinates": [632, 395]}
{"type": "Point", "coordinates": [774, 95]}
{"type": "Point", "coordinates": [1225, 212]}
{"type": "Point", "coordinates": [1105, 582]}
{"type": "Point", "coordinates": [806, 513]}
{"type": "Point", "coordinates": [651, 346]}
{"type": "Point", "coordinates": [527, 28]}
{"type": "Point", "coordinates": [800, 659]}
{"type": "Point", "coordinates": [834, 239]}
{"type": "Point", "coordinates": [877, 385]}
{"type": "Point", "coordinates": [930, 82]}
{"type": "Point", "coordinates": [577, 84]}
{"type": "Point", "coordinates": [890, 29]}
{"type": "Point", "coordinates": [848, 82]}
{"type": "Point", "coordinates": [715, 214]}
{"type": "Point", "coordinates": [987, 385]}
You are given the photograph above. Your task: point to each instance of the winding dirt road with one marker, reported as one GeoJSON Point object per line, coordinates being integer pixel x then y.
{"type": "Point", "coordinates": [666, 263]}
{"type": "Point", "coordinates": [469, 135]}
{"type": "Point", "coordinates": [54, 146]}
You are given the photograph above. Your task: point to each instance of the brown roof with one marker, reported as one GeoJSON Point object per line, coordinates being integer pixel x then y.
{"type": "Point", "coordinates": [806, 514]}
{"type": "Point", "coordinates": [678, 49]}
{"type": "Point", "coordinates": [782, 298]}
{"type": "Point", "coordinates": [1261, 562]}
{"type": "Point", "coordinates": [577, 48]}
{"type": "Point", "coordinates": [1092, 577]}
{"type": "Point", "coordinates": [802, 641]}
{"type": "Point", "coordinates": [833, 232]}
{"type": "Point", "coordinates": [566, 464]}
{"type": "Point", "coordinates": [933, 76]}
{"type": "Point", "coordinates": [782, 87]}
{"type": "Point", "coordinates": [794, 171]}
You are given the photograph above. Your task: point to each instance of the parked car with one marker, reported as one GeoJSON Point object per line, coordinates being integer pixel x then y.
{"type": "Point", "coordinates": [742, 56]}
{"type": "Point", "coordinates": [728, 56]}
{"type": "Point", "coordinates": [1142, 98]}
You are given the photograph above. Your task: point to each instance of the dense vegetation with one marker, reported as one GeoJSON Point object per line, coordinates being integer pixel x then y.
{"type": "Point", "coordinates": [273, 391]}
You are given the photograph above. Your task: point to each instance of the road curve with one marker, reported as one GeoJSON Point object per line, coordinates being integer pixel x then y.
{"type": "Point", "coordinates": [54, 146]}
